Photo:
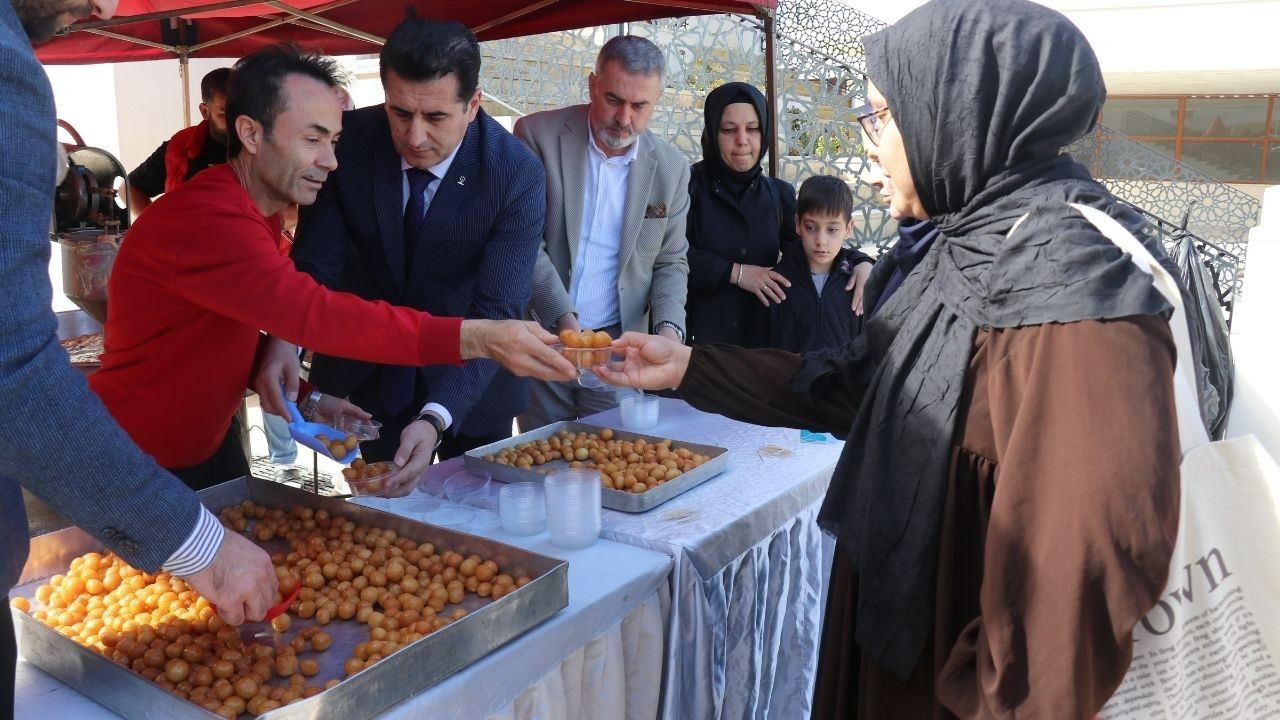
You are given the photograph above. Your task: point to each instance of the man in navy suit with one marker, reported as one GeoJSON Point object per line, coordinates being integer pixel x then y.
{"type": "Point", "coordinates": [434, 205]}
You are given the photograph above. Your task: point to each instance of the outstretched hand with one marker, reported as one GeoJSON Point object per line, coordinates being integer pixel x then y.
{"type": "Point", "coordinates": [651, 362]}
{"type": "Point", "coordinates": [523, 348]}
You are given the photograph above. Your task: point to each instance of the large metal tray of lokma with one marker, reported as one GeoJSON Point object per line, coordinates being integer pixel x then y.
{"type": "Point", "coordinates": [610, 498]}
{"type": "Point", "coordinates": [418, 666]}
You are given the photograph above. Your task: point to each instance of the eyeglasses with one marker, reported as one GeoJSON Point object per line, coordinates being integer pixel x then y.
{"type": "Point", "coordinates": [873, 122]}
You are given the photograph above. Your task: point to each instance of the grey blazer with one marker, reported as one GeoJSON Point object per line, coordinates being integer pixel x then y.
{"type": "Point", "coordinates": [653, 272]}
{"type": "Point", "coordinates": [62, 445]}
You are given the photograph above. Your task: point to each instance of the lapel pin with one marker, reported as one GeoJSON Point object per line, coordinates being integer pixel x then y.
{"type": "Point", "coordinates": [462, 180]}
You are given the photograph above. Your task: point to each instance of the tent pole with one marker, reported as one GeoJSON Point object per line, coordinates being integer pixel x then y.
{"type": "Point", "coordinates": [184, 78]}
{"type": "Point", "coordinates": [771, 85]}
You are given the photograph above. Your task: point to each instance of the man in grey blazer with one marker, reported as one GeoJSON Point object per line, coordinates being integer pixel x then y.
{"type": "Point", "coordinates": [613, 251]}
{"type": "Point", "coordinates": [63, 446]}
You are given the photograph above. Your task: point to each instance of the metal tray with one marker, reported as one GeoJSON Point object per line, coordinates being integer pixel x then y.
{"type": "Point", "coordinates": [610, 498]}
{"type": "Point", "coordinates": [421, 665]}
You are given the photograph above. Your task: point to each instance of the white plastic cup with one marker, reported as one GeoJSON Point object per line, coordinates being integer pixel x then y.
{"type": "Point", "coordinates": [573, 507]}
{"type": "Point", "coordinates": [522, 508]}
{"type": "Point", "coordinates": [639, 412]}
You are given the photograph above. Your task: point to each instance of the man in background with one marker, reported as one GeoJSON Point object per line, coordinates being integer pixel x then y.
{"type": "Point", "coordinates": [189, 151]}
{"type": "Point", "coordinates": [71, 453]}
{"type": "Point", "coordinates": [613, 254]}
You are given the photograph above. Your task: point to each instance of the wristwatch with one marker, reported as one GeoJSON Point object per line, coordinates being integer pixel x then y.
{"type": "Point", "coordinates": [673, 326]}
{"type": "Point", "coordinates": [436, 422]}
{"type": "Point", "coordinates": [308, 409]}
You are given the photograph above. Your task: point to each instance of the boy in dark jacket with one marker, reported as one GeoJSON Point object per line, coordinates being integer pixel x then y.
{"type": "Point", "coordinates": [817, 312]}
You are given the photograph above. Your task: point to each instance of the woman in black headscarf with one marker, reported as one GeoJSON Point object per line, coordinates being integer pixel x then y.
{"type": "Point", "coordinates": [739, 221]}
{"type": "Point", "coordinates": [1006, 504]}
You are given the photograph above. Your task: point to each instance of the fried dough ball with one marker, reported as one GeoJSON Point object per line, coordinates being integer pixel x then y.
{"type": "Point", "coordinates": [159, 627]}
{"type": "Point", "coordinates": [625, 465]}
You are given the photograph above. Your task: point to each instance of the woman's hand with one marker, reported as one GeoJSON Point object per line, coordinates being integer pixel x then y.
{"type": "Point", "coordinates": [331, 407]}
{"type": "Point", "coordinates": [857, 283]}
{"type": "Point", "coordinates": [652, 362]}
{"type": "Point", "coordinates": [764, 283]}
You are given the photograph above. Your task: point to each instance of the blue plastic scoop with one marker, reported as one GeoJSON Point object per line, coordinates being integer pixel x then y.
{"type": "Point", "coordinates": [306, 432]}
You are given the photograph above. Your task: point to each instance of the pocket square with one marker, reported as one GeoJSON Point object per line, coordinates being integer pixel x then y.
{"type": "Point", "coordinates": [655, 211]}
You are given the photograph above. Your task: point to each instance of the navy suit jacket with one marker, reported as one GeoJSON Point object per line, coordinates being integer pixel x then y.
{"type": "Point", "coordinates": [474, 258]}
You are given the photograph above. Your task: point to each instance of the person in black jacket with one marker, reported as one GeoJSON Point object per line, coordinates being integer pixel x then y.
{"type": "Point", "coordinates": [816, 312]}
{"type": "Point", "coordinates": [738, 222]}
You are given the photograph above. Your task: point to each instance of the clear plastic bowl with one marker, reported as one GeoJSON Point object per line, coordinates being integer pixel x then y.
{"type": "Point", "coordinates": [522, 508]}
{"type": "Point", "coordinates": [584, 359]}
{"type": "Point", "coordinates": [362, 429]}
{"type": "Point", "coordinates": [486, 508]}
{"type": "Point", "coordinates": [431, 484]}
{"type": "Point", "coordinates": [465, 483]}
{"type": "Point", "coordinates": [488, 503]}
{"type": "Point", "coordinates": [449, 516]}
{"type": "Point", "coordinates": [418, 505]}
{"type": "Point", "coordinates": [372, 484]}
{"type": "Point", "coordinates": [639, 412]}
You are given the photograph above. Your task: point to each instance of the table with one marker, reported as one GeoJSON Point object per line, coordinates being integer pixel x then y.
{"type": "Point", "coordinates": [748, 586]}
{"type": "Point", "coordinates": [598, 659]}
{"type": "Point", "coordinates": [749, 581]}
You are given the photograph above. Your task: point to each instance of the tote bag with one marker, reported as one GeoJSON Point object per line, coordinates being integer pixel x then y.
{"type": "Point", "coordinates": [1210, 648]}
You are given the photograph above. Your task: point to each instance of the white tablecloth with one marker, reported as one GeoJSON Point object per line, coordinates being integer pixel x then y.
{"type": "Point", "coordinates": [747, 589]}
{"type": "Point", "coordinates": [749, 581]}
{"type": "Point", "coordinates": [598, 659]}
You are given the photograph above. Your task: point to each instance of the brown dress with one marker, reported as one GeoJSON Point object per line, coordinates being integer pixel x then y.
{"type": "Point", "coordinates": [1061, 515]}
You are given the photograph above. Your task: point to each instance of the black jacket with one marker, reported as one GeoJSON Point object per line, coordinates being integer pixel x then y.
{"type": "Point", "coordinates": [723, 230]}
{"type": "Point", "coordinates": [806, 321]}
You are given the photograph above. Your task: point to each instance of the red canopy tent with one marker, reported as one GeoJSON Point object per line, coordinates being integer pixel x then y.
{"type": "Point", "coordinates": [183, 29]}
{"type": "Point", "coordinates": [159, 29]}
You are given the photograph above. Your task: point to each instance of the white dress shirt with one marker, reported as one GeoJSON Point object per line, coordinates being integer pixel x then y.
{"type": "Point", "coordinates": [593, 284]}
{"type": "Point", "coordinates": [439, 170]}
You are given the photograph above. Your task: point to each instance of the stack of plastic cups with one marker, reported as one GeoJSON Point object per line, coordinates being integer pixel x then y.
{"type": "Point", "coordinates": [639, 412]}
{"type": "Point", "coordinates": [522, 508]}
{"type": "Point", "coordinates": [573, 507]}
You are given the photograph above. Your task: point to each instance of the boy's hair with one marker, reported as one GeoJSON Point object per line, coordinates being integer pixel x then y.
{"type": "Point", "coordinates": [256, 88]}
{"type": "Point", "coordinates": [825, 195]}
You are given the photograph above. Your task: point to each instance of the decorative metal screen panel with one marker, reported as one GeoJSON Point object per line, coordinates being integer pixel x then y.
{"type": "Point", "coordinates": [820, 81]}
{"type": "Point", "coordinates": [1166, 189]}
{"type": "Point", "coordinates": [817, 91]}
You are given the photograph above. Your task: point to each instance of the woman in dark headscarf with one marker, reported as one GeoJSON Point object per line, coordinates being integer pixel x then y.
{"type": "Point", "coordinates": [739, 220]}
{"type": "Point", "coordinates": [1007, 501]}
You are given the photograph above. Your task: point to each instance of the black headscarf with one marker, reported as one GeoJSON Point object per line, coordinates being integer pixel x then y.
{"type": "Point", "coordinates": [713, 110]}
{"type": "Point", "coordinates": [985, 95]}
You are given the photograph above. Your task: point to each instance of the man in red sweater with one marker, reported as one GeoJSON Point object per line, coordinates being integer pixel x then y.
{"type": "Point", "coordinates": [199, 276]}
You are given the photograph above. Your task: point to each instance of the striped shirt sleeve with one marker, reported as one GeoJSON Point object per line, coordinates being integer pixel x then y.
{"type": "Point", "coordinates": [198, 551]}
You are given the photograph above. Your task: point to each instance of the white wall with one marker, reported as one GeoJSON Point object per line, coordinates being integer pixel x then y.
{"type": "Point", "coordinates": [1171, 36]}
{"type": "Point", "coordinates": [149, 96]}
{"type": "Point", "coordinates": [1254, 343]}
{"type": "Point", "coordinates": [128, 109]}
